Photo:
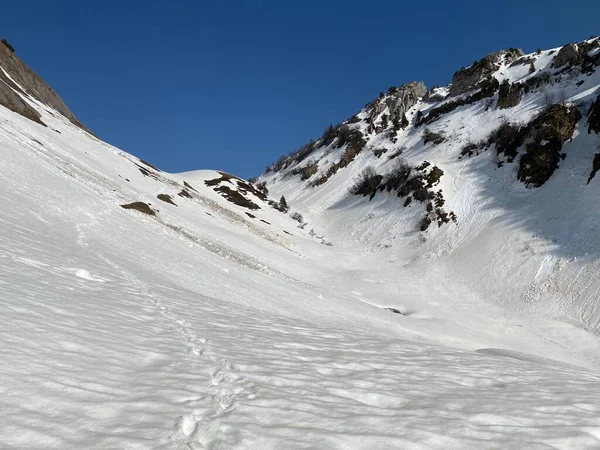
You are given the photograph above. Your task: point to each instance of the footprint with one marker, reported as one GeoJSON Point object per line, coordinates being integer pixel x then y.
{"type": "Point", "coordinates": [197, 351]}
{"type": "Point", "coordinates": [187, 425]}
{"type": "Point", "coordinates": [86, 275]}
{"type": "Point", "coordinates": [225, 400]}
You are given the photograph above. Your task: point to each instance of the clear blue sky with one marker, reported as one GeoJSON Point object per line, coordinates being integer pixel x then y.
{"type": "Point", "coordinates": [232, 85]}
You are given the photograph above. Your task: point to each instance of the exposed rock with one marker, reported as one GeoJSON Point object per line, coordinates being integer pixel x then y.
{"type": "Point", "coordinates": [398, 101]}
{"type": "Point", "coordinates": [584, 47]}
{"type": "Point", "coordinates": [488, 88]}
{"type": "Point", "coordinates": [166, 198]}
{"type": "Point", "coordinates": [185, 193]}
{"type": "Point", "coordinates": [141, 207]}
{"type": "Point", "coordinates": [430, 136]}
{"type": "Point", "coordinates": [236, 198]}
{"type": "Point", "coordinates": [524, 60]}
{"type": "Point", "coordinates": [10, 98]}
{"type": "Point", "coordinates": [408, 183]}
{"type": "Point", "coordinates": [548, 132]}
{"type": "Point", "coordinates": [472, 148]}
{"type": "Point", "coordinates": [508, 139]}
{"type": "Point", "coordinates": [567, 55]}
{"type": "Point", "coordinates": [243, 187]}
{"type": "Point", "coordinates": [404, 98]}
{"type": "Point", "coordinates": [31, 84]}
{"type": "Point", "coordinates": [147, 173]}
{"type": "Point", "coordinates": [589, 60]}
{"type": "Point", "coordinates": [469, 78]}
{"type": "Point", "coordinates": [556, 122]}
{"type": "Point", "coordinates": [535, 82]}
{"type": "Point", "coordinates": [150, 165]}
{"type": "Point", "coordinates": [379, 151]}
{"type": "Point", "coordinates": [355, 145]}
{"type": "Point", "coordinates": [433, 97]}
{"type": "Point", "coordinates": [187, 185]}
{"type": "Point", "coordinates": [307, 171]}
{"type": "Point", "coordinates": [509, 95]}
{"type": "Point", "coordinates": [589, 63]}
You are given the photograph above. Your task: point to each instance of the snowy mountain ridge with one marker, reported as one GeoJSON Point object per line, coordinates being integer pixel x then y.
{"type": "Point", "coordinates": [491, 177]}
{"type": "Point", "coordinates": [148, 310]}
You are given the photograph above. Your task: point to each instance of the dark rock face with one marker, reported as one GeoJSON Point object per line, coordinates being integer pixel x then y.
{"type": "Point", "coordinates": [548, 132]}
{"type": "Point", "coordinates": [10, 98]}
{"type": "Point", "coordinates": [30, 85]}
{"type": "Point", "coordinates": [307, 171]}
{"type": "Point", "coordinates": [487, 88]}
{"type": "Point", "coordinates": [166, 198]}
{"type": "Point", "coordinates": [508, 139]}
{"type": "Point", "coordinates": [141, 207]}
{"type": "Point", "coordinates": [469, 79]}
{"type": "Point", "coordinates": [589, 61]}
{"type": "Point", "coordinates": [509, 95]}
{"type": "Point", "coordinates": [567, 55]}
{"type": "Point", "coordinates": [523, 61]}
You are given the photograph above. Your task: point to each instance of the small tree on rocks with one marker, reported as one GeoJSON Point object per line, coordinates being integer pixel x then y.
{"type": "Point", "coordinates": [283, 206]}
{"type": "Point", "coordinates": [7, 45]}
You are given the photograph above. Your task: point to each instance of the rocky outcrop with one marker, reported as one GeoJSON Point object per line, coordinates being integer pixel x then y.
{"type": "Point", "coordinates": [509, 95]}
{"type": "Point", "coordinates": [469, 78]}
{"type": "Point", "coordinates": [141, 207]}
{"type": "Point", "coordinates": [30, 85]}
{"type": "Point", "coordinates": [547, 134]}
{"type": "Point", "coordinates": [487, 89]}
{"type": "Point", "coordinates": [11, 98]}
{"type": "Point", "coordinates": [568, 55]}
{"type": "Point", "coordinates": [398, 101]}
{"type": "Point", "coordinates": [585, 47]}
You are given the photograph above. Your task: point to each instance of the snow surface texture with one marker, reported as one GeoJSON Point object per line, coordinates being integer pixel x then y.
{"type": "Point", "coordinates": [204, 328]}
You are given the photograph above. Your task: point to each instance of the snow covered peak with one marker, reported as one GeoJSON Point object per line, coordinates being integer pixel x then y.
{"type": "Point", "coordinates": [491, 177]}
{"type": "Point", "coordinates": [503, 91]}
{"type": "Point", "coordinates": [469, 78]}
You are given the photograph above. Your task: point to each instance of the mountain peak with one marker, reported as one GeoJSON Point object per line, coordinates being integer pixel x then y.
{"type": "Point", "coordinates": [21, 87]}
{"type": "Point", "coordinates": [524, 109]}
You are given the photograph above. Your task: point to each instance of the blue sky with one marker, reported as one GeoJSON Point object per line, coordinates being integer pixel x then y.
{"type": "Point", "coordinates": [231, 85]}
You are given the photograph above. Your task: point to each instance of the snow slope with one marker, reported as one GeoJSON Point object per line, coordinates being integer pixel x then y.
{"type": "Point", "coordinates": [204, 327]}
{"type": "Point", "coordinates": [533, 251]}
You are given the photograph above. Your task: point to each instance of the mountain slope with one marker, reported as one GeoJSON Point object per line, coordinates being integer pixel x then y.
{"type": "Point", "coordinates": [489, 179]}
{"type": "Point", "coordinates": [208, 318]}
{"type": "Point", "coordinates": [18, 83]}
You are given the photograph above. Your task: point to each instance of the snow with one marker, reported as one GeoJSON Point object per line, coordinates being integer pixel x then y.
{"type": "Point", "coordinates": [203, 328]}
{"type": "Point", "coordinates": [543, 241]}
